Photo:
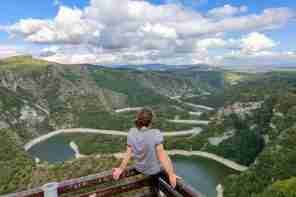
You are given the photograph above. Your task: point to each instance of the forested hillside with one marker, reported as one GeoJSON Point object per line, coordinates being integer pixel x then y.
{"type": "Point", "coordinates": [16, 166]}
{"type": "Point", "coordinates": [252, 121]}
{"type": "Point", "coordinates": [38, 96]}
{"type": "Point", "coordinates": [275, 122]}
{"type": "Point", "coordinates": [255, 126]}
{"type": "Point", "coordinates": [18, 170]}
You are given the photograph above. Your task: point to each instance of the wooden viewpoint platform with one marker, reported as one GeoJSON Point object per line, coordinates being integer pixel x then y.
{"type": "Point", "coordinates": [103, 185]}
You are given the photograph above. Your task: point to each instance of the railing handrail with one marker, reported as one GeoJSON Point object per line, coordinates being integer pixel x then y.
{"type": "Point", "coordinates": [74, 185]}
{"type": "Point", "coordinates": [187, 190]}
{"type": "Point", "coordinates": [77, 183]}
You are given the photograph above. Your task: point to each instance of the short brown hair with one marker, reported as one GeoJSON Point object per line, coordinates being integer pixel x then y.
{"type": "Point", "coordinates": [144, 118]}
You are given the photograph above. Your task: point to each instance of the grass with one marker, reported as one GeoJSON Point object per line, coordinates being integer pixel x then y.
{"type": "Point", "coordinates": [24, 63]}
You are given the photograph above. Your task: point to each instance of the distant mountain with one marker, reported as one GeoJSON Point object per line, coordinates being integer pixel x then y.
{"type": "Point", "coordinates": [40, 96]}
{"type": "Point", "coordinates": [258, 68]}
{"type": "Point", "coordinates": [164, 67]}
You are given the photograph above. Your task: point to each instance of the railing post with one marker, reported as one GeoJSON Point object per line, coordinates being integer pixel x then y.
{"type": "Point", "coordinates": [50, 189]}
{"type": "Point", "coordinates": [220, 191]}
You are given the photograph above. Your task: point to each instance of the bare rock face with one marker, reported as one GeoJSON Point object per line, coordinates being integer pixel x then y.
{"type": "Point", "coordinates": [38, 101]}
{"type": "Point", "coordinates": [29, 113]}
{"type": "Point", "coordinates": [3, 125]}
{"type": "Point", "coordinates": [31, 116]}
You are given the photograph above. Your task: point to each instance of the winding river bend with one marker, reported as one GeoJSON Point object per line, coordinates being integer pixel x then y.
{"type": "Point", "coordinates": [45, 137]}
{"type": "Point", "coordinates": [203, 174]}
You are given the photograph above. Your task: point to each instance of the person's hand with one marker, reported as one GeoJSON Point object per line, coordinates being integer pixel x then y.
{"type": "Point", "coordinates": [116, 172]}
{"type": "Point", "coordinates": [173, 180]}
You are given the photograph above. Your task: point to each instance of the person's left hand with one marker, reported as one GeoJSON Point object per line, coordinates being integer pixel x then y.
{"type": "Point", "coordinates": [173, 180]}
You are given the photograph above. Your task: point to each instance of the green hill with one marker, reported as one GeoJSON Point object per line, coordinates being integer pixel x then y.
{"type": "Point", "coordinates": [25, 62]}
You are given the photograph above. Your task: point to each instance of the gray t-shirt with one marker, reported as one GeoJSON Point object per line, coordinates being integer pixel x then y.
{"type": "Point", "coordinates": [143, 144]}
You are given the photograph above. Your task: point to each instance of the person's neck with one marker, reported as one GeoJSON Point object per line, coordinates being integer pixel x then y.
{"type": "Point", "coordinates": [144, 128]}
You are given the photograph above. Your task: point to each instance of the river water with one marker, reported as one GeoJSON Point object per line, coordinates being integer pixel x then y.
{"type": "Point", "coordinates": [202, 174]}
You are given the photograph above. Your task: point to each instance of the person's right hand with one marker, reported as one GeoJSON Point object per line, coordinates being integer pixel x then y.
{"type": "Point", "coordinates": [116, 172]}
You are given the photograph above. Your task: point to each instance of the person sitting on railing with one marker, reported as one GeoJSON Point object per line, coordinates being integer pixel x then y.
{"type": "Point", "coordinates": [145, 145]}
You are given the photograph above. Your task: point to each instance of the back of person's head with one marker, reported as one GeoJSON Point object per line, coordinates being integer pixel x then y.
{"type": "Point", "coordinates": [144, 118]}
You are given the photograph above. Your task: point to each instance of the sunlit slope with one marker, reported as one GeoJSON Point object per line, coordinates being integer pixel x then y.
{"type": "Point", "coordinates": [25, 62]}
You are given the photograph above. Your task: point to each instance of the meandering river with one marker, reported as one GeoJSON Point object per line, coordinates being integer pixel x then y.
{"type": "Point", "coordinates": [203, 174]}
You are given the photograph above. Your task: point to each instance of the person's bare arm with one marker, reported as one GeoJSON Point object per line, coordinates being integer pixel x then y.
{"type": "Point", "coordinates": [126, 158]}
{"type": "Point", "coordinates": [166, 164]}
{"type": "Point", "coordinates": [118, 171]}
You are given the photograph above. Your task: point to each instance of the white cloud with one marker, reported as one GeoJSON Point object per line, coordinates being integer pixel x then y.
{"type": "Point", "coordinates": [227, 10]}
{"type": "Point", "coordinates": [139, 31]}
{"type": "Point", "coordinates": [253, 48]}
{"type": "Point", "coordinates": [27, 27]}
{"type": "Point", "coordinates": [7, 51]}
{"type": "Point", "coordinates": [250, 43]}
{"type": "Point", "coordinates": [158, 30]}
{"type": "Point", "coordinates": [211, 43]}
{"type": "Point", "coordinates": [68, 26]}
{"type": "Point", "coordinates": [268, 19]}
{"type": "Point", "coordinates": [49, 51]}
{"type": "Point", "coordinates": [261, 58]}
{"type": "Point", "coordinates": [255, 42]}
{"type": "Point", "coordinates": [123, 20]}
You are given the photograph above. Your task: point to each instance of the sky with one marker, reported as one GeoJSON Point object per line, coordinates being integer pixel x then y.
{"type": "Point", "coordinates": [177, 32]}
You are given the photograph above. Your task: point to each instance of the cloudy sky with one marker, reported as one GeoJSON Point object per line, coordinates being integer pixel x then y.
{"type": "Point", "coordinates": [216, 32]}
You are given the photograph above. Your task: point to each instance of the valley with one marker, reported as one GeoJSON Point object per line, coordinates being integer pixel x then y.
{"type": "Point", "coordinates": [245, 118]}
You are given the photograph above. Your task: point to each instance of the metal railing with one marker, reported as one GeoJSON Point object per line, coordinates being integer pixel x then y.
{"type": "Point", "coordinates": [103, 185]}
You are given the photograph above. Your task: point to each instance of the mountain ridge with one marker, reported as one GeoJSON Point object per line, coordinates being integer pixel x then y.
{"type": "Point", "coordinates": [253, 116]}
